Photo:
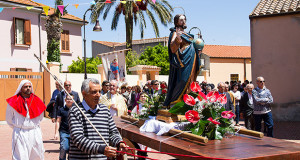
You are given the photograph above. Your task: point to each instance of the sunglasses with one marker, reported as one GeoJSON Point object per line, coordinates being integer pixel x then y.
{"type": "Point", "coordinates": [261, 81]}
{"type": "Point", "coordinates": [67, 85]}
{"type": "Point", "coordinates": [156, 84]}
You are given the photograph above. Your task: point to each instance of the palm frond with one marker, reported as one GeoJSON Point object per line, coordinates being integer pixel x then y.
{"type": "Point", "coordinates": [108, 7]}
{"type": "Point", "coordinates": [142, 23]}
{"type": "Point", "coordinates": [115, 20]}
{"type": "Point", "coordinates": [153, 21]}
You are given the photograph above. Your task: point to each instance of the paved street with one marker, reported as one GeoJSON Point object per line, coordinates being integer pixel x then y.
{"type": "Point", "coordinates": [283, 130]}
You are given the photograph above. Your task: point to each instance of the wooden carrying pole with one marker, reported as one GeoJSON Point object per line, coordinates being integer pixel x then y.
{"type": "Point", "coordinates": [249, 132]}
{"type": "Point", "coordinates": [188, 135]}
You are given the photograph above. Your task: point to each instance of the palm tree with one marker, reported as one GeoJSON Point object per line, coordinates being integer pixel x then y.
{"type": "Point", "coordinates": [53, 28]}
{"type": "Point", "coordinates": [133, 11]}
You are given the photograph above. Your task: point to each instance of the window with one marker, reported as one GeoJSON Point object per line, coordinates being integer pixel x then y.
{"type": "Point", "coordinates": [65, 42]}
{"type": "Point", "coordinates": [22, 31]}
{"type": "Point", "coordinates": [234, 77]}
{"type": "Point", "coordinates": [20, 69]}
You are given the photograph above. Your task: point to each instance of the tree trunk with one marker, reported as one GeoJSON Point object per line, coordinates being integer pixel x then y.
{"type": "Point", "coordinates": [129, 26]}
{"type": "Point", "coordinates": [53, 28]}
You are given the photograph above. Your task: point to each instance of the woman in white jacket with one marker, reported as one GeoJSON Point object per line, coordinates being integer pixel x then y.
{"type": "Point", "coordinates": [237, 95]}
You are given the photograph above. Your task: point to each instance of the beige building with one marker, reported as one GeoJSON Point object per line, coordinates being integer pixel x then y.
{"type": "Point", "coordinates": [226, 63]}
{"type": "Point", "coordinates": [275, 47]}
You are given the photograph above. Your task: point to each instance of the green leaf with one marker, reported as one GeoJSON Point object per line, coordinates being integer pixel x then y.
{"type": "Point", "coordinates": [178, 108]}
{"type": "Point", "coordinates": [211, 133]}
{"type": "Point", "coordinates": [213, 113]}
{"type": "Point", "coordinates": [218, 135]}
{"type": "Point", "coordinates": [222, 130]}
{"type": "Point", "coordinates": [206, 113]}
{"type": "Point", "coordinates": [195, 95]}
{"type": "Point", "coordinates": [199, 128]}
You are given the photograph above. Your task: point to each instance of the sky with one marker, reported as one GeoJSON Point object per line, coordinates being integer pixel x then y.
{"type": "Point", "coordinates": [222, 22]}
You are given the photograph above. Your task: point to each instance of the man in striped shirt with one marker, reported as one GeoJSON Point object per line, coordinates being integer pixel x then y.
{"type": "Point", "coordinates": [85, 143]}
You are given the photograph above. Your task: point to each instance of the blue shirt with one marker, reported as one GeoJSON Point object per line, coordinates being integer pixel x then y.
{"type": "Point", "coordinates": [54, 95]}
{"type": "Point", "coordinates": [88, 108]}
{"type": "Point", "coordinates": [262, 99]}
{"type": "Point", "coordinates": [63, 112]}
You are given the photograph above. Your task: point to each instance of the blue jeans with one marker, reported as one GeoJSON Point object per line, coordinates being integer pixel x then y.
{"type": "Point", "coordinates": [237, 113]}
{"type": "Point", "coordinates": [64, 145]}
{"type": "Point", "coordinates": [268, 121]}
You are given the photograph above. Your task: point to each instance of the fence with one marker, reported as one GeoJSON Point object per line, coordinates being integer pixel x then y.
{"type": "Point", "coordinates": [9, 82]}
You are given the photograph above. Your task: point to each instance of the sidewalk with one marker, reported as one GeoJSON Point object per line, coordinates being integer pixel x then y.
{"type": "Point", "coordinates": [283, 130]}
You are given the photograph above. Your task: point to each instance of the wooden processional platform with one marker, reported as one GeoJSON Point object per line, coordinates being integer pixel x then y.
{"type": "Point", "coordinates": [236, 147]}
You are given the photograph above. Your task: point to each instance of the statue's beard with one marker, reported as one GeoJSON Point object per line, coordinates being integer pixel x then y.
{"type": "Point", "coordinates": [182, 26]}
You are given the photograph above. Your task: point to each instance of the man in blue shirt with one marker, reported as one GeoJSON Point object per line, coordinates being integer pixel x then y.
{"type": "Point", "coordinates": [62, 127]}
{"type": "Point", "coordinates": [262, 100]}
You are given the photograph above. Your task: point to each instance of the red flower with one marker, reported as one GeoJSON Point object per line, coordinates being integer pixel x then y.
{"type": "Point", "coordinates": [222, 98]}
{"type": "Point", "coordinates": [213, 121]}
{"type": "Point", "coordinates": [195, 87]}
{"type": "Point", "coordinates": [192, 116]}
{"type": "Point", "coordinates": [227, 114]}
{"type": "Point", "coordinates": [213, 96]}
{"type": "Point", "coordinates": [164, 91]}
{"type": "Point", "coordinates": [163, 86]}
{"type": "Point", "coordinates": [201, 96]}
{"type": "Point", "coordinates": [189, 100]}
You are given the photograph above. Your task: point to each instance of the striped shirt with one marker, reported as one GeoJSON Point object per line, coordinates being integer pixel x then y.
{"type": "Point", "coordinates": [85, 143]}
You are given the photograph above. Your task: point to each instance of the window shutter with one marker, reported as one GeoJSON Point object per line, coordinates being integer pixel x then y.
{"type": "Point", "coordinates": [67, 41]}
{"type": "Point", "coordinates": [27, 32]}
{"type": "Point", "coordinates": [14, 25]}
{"type": "Point", "coordinates": [62, 37]}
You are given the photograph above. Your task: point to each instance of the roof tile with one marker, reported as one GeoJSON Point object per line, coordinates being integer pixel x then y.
{"type": "Point", "coordinates": [222, 51]}
{"type": "Point", "coordinates": [270, 7]}
{"type": "Point", "coordinates": [51, 11]}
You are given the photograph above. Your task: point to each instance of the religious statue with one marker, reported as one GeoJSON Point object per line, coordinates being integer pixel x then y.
{"type": "Point", "coordinates": [184, 56]}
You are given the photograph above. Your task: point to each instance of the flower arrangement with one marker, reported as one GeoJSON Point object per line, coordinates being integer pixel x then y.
{"type": "Point", "coordinates": [206, 113]}
{"type": "Point", "coordinates": [153, 103]}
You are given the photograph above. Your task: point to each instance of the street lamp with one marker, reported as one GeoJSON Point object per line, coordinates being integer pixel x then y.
{"type": "Point", "coordinates": [96, 28]}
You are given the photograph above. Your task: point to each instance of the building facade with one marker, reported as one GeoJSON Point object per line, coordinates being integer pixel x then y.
{"type": "Point", "coordinates": [275, 47]}
{"type": "Point", "coordinates": [23, 34]}
{"type": "Point", "coordinates": [138, 46]}
{"type": "Point", "coordinates": [226, 63]}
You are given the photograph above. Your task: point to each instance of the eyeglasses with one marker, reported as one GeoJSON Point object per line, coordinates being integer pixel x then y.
{"type": "Point", "coordinates": [156, 84]}
{"type": "Point", "coordinates": [261, 81]}
{"type": "Point", "coordinates": [67, 85]}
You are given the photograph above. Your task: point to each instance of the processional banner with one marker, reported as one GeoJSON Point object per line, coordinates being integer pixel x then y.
{"type": "Point", "coordinates": [114, 65]}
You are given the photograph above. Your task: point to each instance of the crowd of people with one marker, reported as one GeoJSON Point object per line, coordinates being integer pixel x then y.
{"type": "Point", "coordinates": [101, 102]}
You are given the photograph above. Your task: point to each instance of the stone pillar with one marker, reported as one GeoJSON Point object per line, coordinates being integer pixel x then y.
{"type": "Point", "coordinates": [101, 72]}
{"type": "Point", "coordinates": [49, 82]}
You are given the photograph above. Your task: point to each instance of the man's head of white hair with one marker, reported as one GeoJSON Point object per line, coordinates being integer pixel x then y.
{"type": "Point", "coordinates": [221, 83]}
{"type": "Point", "coordinates": [114, 82]}
{"type": "Point", "coordinates": [260, 78]}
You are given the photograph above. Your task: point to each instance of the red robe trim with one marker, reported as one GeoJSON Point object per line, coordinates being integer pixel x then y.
{"type": "Point", "coordinates": [34, 103]}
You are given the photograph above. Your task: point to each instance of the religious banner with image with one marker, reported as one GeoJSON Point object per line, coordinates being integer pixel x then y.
{"type": "Point", "coordinates": [114, 65]}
